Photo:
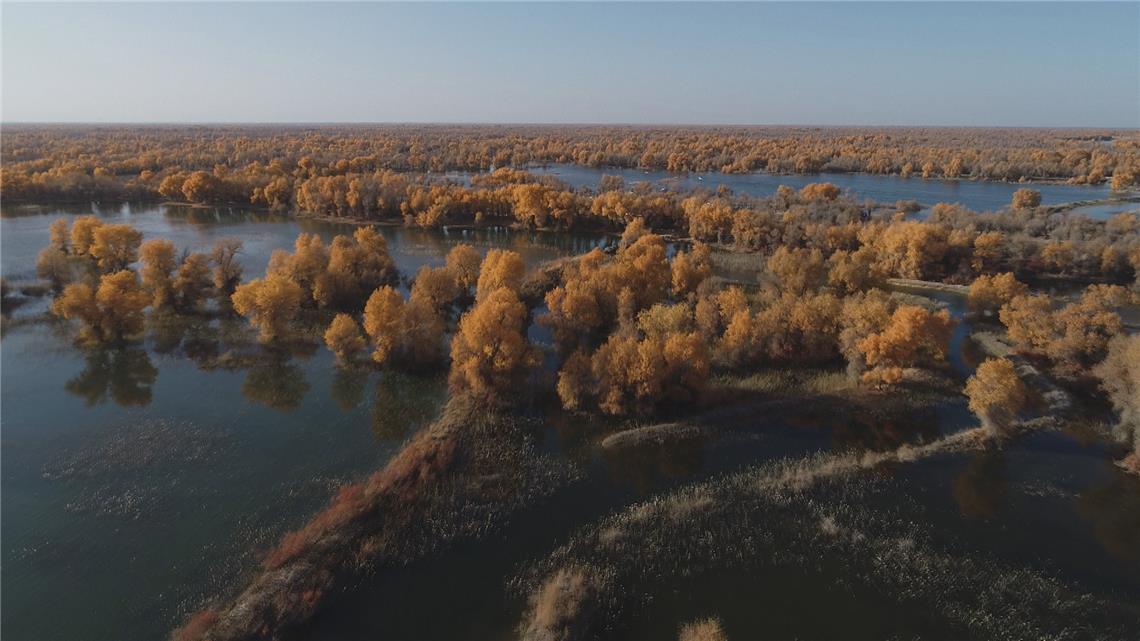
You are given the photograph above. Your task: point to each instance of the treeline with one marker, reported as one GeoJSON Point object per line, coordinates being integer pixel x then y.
{"type": "Point", "coordinates": [74, 162]}
{"type": "Point", "coordinates": [637, 329]}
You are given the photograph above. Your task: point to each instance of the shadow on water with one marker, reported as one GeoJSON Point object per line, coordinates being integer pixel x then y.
{"type": "Point", "coordinates": [276, 382]}
{"type": "Point", "coordinates": [982, 487]}
{"type": "Point", "coordinates": [125, 375]}
{"type": "Point", "coordinates": [403, 403]}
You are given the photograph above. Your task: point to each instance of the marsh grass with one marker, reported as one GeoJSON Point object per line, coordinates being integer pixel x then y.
{"type": "Point", "coordinates": [704, 630]}
{"type": "Point", "coordinates": [788, 382]}
{"type": "Point", "coordinates": [795, 513]}
{"type": "Point", "coordinates": [461, 477]}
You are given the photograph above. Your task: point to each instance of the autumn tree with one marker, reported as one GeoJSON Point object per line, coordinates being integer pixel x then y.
{"type": "Point", "coordinates": [861, 316]}
{"type": "Point", "coordinates": [989, 251]}
{"type": "Point", "coordinates": [193, 281]}
{"type": "Point", "coordinates": [490, 352]}
{"type": "Point", "coordinates": [1025, 198]}
{"type": "Point", "coordinates": [463, 261]}
{"type": "Point", "coordinates": [996, 394]}
{"type": "Point", "coordinates": [500, 268]}
{"type": "Point", "coordinates": [911, 249]}
{"type": "Point", "coordinates": [356, 267]}
{"type": "Point", "coordinates": [54, 266]}
{"type": "Point", "coordinates": [1058, 256]}
{"type": "Point", "coordinates": [1124, 177]}
{"type": "Point", "coordinates": [157, 271]}
{"type": "Point", "coordinates": [797, 270]}
{"type": "Point", "coordinates": [1119, 376]}
{"type": "Point", "coordinates": [83, 234]}
{"type": "Point", "coordinates": [384, 320]}
{"type": "Point", "coordinates": [437, 287]}
{"type": "Point", "coordinates": [914, 337]}
{"type": "Point", "coordinates": [634, 230]}
{"type": "Point", "coordinates": [1085, 326]}
{"type": "Point", "coordinates": [343, 338]}
{"type": "Point", "coordinates": [854, 271]}
{"type": "Point", "coordinates": [270, 303]}
{"type": "Point", "coordinates": [408, 333]}
{"type": "Point", "coordinates": [989, 293]}
{"type": "Point", "coordinates": [690, 269]}
{"type": "Point", "coordinates": [115, 247]}
{"type": "Point", "coordinates": [59, 234]}
{"type": "Point", "coordinates": [110, 313]}
{"type": "Point", "coordinates": [202, 187]}
{"type": "Point", "coordinates": [819, 191]}
{"type": "Point", "coordinates": [227, 269]}
{"type": "Point", "coordinates": [305, 266]}
{"type": "Point", "coordinates": [635, 372]}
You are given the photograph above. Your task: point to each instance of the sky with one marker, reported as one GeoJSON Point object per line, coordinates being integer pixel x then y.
{"type": "Point", "coordinates": [855, 63]}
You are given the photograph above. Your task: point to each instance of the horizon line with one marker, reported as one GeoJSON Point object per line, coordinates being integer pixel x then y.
{"type": "Point", "coordinates": [327, 123]}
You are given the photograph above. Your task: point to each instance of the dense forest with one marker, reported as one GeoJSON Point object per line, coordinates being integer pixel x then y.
{"type": "Point", "coordinates": [280, 166]}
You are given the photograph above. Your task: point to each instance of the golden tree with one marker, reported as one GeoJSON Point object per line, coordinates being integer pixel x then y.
{"type": "Point", "coordinates": [463, 261]}
{"type": "Point", "coordinates": [490, 352]}
{"type": "Point", "coordinates": [690, 269]}
{"type": "Point", "coordinates": [819, 191]}
{"type": "Point", "coordinates": [436, 286]}
{"type": "Point", "coordinates": [989, 293]}
{"type": "Point", "coordinates": [227, 270]}
{"type": "Point", "coordinates": [989, 251]}
{"type": "Point", "coordinates": [1086, 326]}
{"type": "Point", "coordinates": [83, 234]}
{"type": "Point", "coordinates": [914, 337]}
{"type": "Point", "coordinates": [343, 338]}
{"type": "Point", "coordinates": [1119, 376]}
{"type": "Point", "coordinates": [1026, 198]}
{"type": "Point", "coordinates": [115, 247]}
{"type": "Point", "coordinates": [193, 281]}
{"type": "Point", "coordinates": [1029, 321]}
{"type": "Point", "coordinates": [111, 313]}
{"type": "Point", "coordinates": [500, 268]}
{"type": "Point", "coordinates": [157, 271]}
{"type": "Point", "coordinates": [797, 270]}
{"type": "Point", "coordinates": [60, 235]}
{"type": "Point", "coordinates": [854, 271]}
{"type": "Point", "coordinates": [385, 323]}
{"type": "Point", "coordinates": [996, 394]}
{"type": "Point", "coordinates": [53, 265]}
{"type": "Point", "coordinates": [862, 315]}
{"type": "Point", "coordinates": [270, 303]}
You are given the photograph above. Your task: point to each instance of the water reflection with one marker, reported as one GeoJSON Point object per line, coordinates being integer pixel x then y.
{"type": "Point", "coordinates": [645, 467]}
{"type": "Point", "coordinates": [347, 388]}
{"type": "Point", "coordinates": [982, 488]}
{"type": "Point", "coordinates": [275, 382]}
{"type": "Point", "coordinates": [880, 431]}
{"type": "Point", "coordinates": [1113, 510]}
{"type": "Point", "coordinates": [403, 403]}
{"type": "Point", "coordinates": [126, 375]}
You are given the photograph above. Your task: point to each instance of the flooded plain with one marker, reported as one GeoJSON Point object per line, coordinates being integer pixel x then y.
{"type": "Point", "coordinates": [140, 483]}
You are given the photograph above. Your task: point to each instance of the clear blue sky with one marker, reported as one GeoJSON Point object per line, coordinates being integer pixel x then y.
{"type": "Point", "coordinates": [1021, 64]}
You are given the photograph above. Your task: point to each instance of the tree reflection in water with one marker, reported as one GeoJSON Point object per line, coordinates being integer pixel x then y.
{"type": "Point", "coordinates": [983, 486]}
{"type": "Point", "coordinates": [275, 382]}
{"type": "Point", "coordinates": [126, 375]}
{"type": "Point", "coordinates": [1113, 510]}
{"type": "Point", "coordinates": [347, 388]}
{"type": "Point", "coordinates": [404, 403]}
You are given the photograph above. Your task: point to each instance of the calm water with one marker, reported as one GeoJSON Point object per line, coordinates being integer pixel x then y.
{"type": "Point", "coordinates": [973, 194]}
{"type": "Point", "coordinates": [136, 484]}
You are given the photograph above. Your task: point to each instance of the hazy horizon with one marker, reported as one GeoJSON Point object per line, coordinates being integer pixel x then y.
{"type": "Point", "coordinates": [762, 64]}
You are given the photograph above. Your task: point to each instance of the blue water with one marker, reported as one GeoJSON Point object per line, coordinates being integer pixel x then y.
{"type": "Point", "coordinates": [973, 194]}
